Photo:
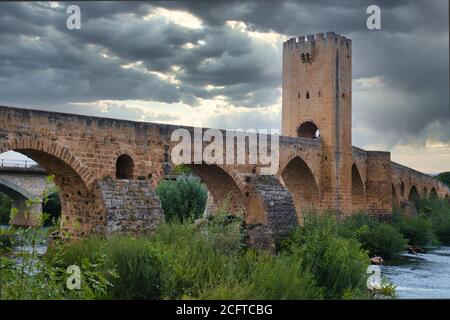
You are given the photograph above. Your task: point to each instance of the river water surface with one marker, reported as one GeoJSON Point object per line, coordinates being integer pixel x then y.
{"type": "Point", "coordinates": [422, 276]}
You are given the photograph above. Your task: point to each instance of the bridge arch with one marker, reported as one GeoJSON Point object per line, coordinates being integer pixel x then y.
{"type": "Point", "coordinates": [14, 191]}
{"type": "Point", "coordinates": [308, 129]}
{"type": "Point", "coordinates": [413, 193]}
{"type": "Point", "coordinates": [72, 178]}
{"type": "Point", "coordinates": [433, 193]}
{"type": "Point", "coordinates": [358, 192]}
{"type": "Point", "coordinates": [222, 184]}
{"type": "Point", "coordinates": [299, 180]}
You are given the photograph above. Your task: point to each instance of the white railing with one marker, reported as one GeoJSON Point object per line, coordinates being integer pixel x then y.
{"type": "Point", "coordinates": [10, 163]}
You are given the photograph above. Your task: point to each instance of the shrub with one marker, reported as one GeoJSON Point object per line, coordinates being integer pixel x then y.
{"type": "Point", "coordinates": [338, 264]}
{"type": "Point", "coordinates": [189, 263]}
{"type": "Point", "coordinates": [224, 231]}
{"type": "Point", "coordinates": [438, 211]}
{"type": "Point", "coordinates": [417, 229]}
{"type": "Point", "coordinates": [383, 240]}
{"type": "Point", "coordinates": [263, 276]}
{"type": "Point", "coordinates": [183, 198]}
{"type": "Point", "coordinates": [376, 237]}
{"type": "Point", "coordinates": [138, 266]}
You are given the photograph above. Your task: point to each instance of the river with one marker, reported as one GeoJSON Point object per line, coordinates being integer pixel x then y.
{"type": "Point", "coordinates": [422, 276]}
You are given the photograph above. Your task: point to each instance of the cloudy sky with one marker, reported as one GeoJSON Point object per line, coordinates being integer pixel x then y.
{"type": "Point", "coordinates": [218, 64]}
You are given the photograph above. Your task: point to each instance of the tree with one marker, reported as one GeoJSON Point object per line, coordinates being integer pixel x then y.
{"type": "Point", "coordinates": [444, 177]}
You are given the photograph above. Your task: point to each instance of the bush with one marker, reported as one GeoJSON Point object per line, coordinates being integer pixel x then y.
{"type": "Point", "coordinates": [378, 238]}
{"type": "Point", "coordinates": [263, 276]}
{"type": "Point", "coordinates": [438, 211]}
{"type": "Point", "coordinates": [338, 264]}
{"type": "Point", "coordinates": [417, 229]}
{"type": "Point", "coordinates": [383, 240]}
{"type": "Point", "coordinates": [183, 198]}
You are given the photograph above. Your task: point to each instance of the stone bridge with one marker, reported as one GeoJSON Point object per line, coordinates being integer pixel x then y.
{"type": "Point", "coordinates": [25, 186]}
{"type": "Point", "coordinates": [105, 170]}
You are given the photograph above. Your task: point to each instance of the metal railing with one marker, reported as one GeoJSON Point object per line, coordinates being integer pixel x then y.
{"type": "Point", "coordinates": [10, 163]}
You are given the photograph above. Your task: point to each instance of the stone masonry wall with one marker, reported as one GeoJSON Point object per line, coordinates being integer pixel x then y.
{"type": "Point", "coordinates": [130, 206]}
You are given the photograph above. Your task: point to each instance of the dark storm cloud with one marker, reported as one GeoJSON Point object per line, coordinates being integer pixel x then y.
{"type": "Point", "coordinates": [409, 55]}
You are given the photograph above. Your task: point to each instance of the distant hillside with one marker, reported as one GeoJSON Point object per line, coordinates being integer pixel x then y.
{"type": "Point", "coordinates": [444, 177]}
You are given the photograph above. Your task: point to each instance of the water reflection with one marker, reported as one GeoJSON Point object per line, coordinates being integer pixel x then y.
{"type": "Point", "coordinates": [423, 276]}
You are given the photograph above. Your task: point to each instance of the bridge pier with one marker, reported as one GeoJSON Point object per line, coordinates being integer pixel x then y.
{"type": "Point", "coordinates": [25, 214]}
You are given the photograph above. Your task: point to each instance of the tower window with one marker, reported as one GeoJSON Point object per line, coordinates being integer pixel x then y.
{"type": "Point", "coordinates": [307, 94]}
{"type": "Point", "coordinates": [298, 95]}
{"type": "Point", "coordinates": [319, 94]}
{"type": "Point", "coordinates": [343, 95]}
{"type": "Point", "coordinates": [308, 130]}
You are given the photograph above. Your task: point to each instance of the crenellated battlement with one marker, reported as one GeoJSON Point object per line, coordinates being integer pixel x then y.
{"type": "Point", "coordinates": [311, 39]}
{"type": "Point", "coordinates": [306, 44]}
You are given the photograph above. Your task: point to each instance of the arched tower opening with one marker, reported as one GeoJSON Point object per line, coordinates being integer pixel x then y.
{"type": "Point", "coordinates": [308, 130]}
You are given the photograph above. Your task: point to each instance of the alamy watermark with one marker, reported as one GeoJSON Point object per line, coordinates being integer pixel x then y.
{"type": "Point", "coordinates": [212, 146]}
{"type": "Point", "coordinates": [373, 21]}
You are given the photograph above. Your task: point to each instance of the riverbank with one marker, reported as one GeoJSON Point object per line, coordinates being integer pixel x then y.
{"type": "Point", "coordinates": [325, 258]}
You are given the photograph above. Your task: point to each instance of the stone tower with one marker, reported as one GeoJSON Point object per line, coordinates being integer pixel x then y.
{"type": "Point", "coordinates": [317, 104]}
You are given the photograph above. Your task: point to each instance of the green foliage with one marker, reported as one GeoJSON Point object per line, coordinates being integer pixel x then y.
{"type": "Point", "coordinates": [438, 212]}
{"type": "Point", "coordinates": [378, 238]}
{"type": "Point", "coordinates": [444, 177]}
{"type": "Point", "coordinates": [383, 240]}
{"type": "Point", "coordinates": [417, 229]}
{"type": "Point", "coordinates": [5, 208]}
{"type": "Point", "coordinates": [24, 275]}
{"type": "Point", "coordinates": [260, 275]}
{"type": "Point", "coordinates": [183, 198]}
{"type": "Point", "coordinates": [52, 207]}
{"type": "Point", "coordinates": [182, 169]}
{"type": "Point", "coordinates": [339, 264]}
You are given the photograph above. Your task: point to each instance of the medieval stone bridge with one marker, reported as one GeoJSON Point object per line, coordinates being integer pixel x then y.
{"type": "Point", "coordinates": [102, 165]}
{"type": "Point", "coordinates": [105, 169]}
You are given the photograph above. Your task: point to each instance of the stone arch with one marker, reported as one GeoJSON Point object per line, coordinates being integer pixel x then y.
{"type": "Point", "coordinates": [308, 129]}
{"type": "Point", "coordinates": [358, 192]}
{"type": "Point", "coordinates": [402, 189]}
{"type": "Point", "coordinates": [14, 191]}
{"type": "Point", "coordinates": [55, 149]}
{"type": "Point", "coordinates": [299, 180]}
{"type": "Point", "coordinates": [413, 193]}
{"type": "Point", "coordinates": [222, 185]}
{"type": "Point", "coordinates": [433, 193]}
{"type": "Point", "coordinates": [124, 167]}
{"type": "Point", "coordinates": [72, 178]}
{"type": "Point", "coordinates": [395, 199]}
